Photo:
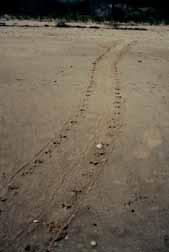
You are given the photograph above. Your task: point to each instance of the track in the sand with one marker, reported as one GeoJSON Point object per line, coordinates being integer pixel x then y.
{"type": "Point", "coordinates": [95, 159]}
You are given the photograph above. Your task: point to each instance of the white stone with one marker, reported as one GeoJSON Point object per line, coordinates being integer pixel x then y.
{"type": "Point", "coordinates": [99, 146]}
{"type": "Point", "coordinates": [93, 243]}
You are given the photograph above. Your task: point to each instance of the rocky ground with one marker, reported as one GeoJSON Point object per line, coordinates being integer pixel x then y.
{"type": "Point", "coordinates": [84, 139]}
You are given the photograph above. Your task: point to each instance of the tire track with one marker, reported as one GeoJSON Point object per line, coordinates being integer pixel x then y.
{"type": "Point", "coordinates": [93, 162]}
{"type": "Point", "coordinates": [117, 120]}
{"type": "Point", "coordinates": [46, 151]}
{"type": "Point", "coordinates": [100, 163]}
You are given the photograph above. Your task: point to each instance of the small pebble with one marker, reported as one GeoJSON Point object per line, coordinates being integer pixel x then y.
{"type": "Point", "coordinates": [99, 146]}
{"type": "Point", "coordinates": [93, 243]}
{"type": "Point", "coordinates": [66, 237]}
{"type": "Point", "coordinates": [35, 221]}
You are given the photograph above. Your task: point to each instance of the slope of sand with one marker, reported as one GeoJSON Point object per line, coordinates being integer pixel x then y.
{"type": "Point", "coordinates": [63, 91]}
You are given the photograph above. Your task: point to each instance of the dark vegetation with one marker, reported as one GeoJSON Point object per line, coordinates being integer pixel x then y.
{"type": "Point", "coordinates": [150, 11]}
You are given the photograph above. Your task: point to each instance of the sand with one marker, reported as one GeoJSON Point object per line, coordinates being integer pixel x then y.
{"type": "Point", "coordinates": [63, 92]}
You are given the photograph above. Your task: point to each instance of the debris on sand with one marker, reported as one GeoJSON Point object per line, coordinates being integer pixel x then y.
{"type": "Point", "coordinates": [66, 237]}
{"type": "Point", "coordinates": [99, 146]}
{"type": "Point", "coordinates": [93, 243]}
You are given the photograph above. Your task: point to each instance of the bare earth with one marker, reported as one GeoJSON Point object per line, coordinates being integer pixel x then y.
{"type": "Point", "coordinates": [62, 92]}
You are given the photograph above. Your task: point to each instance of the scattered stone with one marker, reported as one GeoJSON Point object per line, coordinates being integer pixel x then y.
{"type": "Point", "coordinates": [66, 237]}
{"type": "Point", "coordinates": [93, 243]}
{"type": "Point", "coordinates": [35, 221]}
{"type": "Point", "coordinates": [99, 146]}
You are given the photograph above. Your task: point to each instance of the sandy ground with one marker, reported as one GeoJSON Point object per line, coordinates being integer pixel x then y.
{"type": "Point", "coordinates": [63, 91]}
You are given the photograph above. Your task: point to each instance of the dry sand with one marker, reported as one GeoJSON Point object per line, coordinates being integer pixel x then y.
{"type": "Point", "coordinates": [62, 92]}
